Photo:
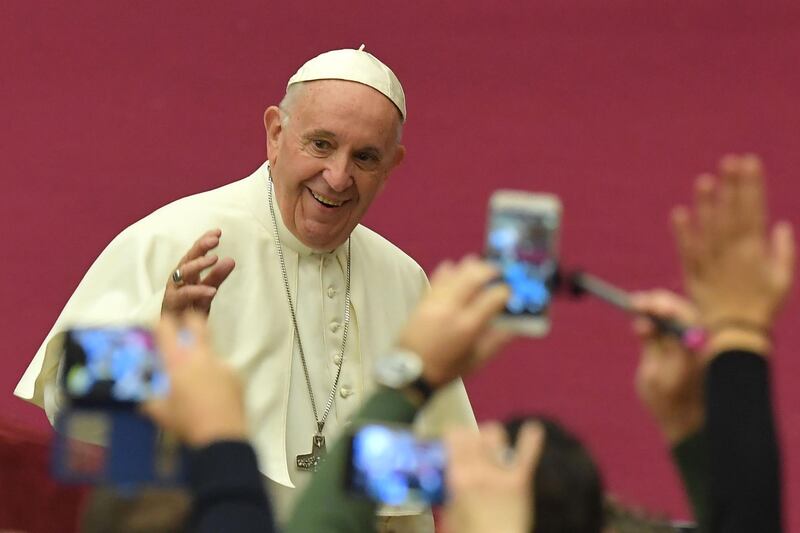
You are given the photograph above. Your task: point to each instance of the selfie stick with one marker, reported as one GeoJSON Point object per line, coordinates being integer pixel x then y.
{"type": "Point", "coordinates": [580, 283]}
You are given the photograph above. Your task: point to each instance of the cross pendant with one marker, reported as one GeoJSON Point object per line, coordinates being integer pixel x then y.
{"type": "Point", "coordinates": [310, 461]}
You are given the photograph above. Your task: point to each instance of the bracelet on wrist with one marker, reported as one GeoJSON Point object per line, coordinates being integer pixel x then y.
{"type": "Point", "coordinates": [742, 325]}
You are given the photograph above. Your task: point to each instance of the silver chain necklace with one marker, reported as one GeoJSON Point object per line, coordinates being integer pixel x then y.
{"type": "Point", "coordinates": [310, 461]}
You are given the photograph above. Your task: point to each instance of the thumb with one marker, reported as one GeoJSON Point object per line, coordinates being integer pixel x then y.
{"type": "Point", "coordinates": [530, 444]}
{"type": "Point", "coordinates": [488, 344]}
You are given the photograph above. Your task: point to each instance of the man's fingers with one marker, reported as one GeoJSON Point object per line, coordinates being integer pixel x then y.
{"type": "Point", "coordinates": [494, 442]}
{"type": "Point", "coordinates": [489, 343]}
{"type": "Point", "coordinates": [643, 327]}
{"type": "Point", "coordinates": [726, 206]}
{"type": "Point", "coordinates": [530, 444]}
{"type": "Point", "coordinates": [208, 241]}
{"type": "Point", "coordinates": [464, 279]}
{"type": "Point", "coordinates": [664, 303]}
{"type": "Point", "coordinates": [783, 253]}
{"type": "Point", "coordinates": [219, 273]}
{"type": "Point", "coordinates": [751, 207]}
{"type": "Point", "coordinates": [442, 272]}
{"type": "Point", "coordinates": [190, 296]}
{"type": "Point", "coordinates": [157, 410]}
{"type": "Point", "coordinates": [190, 270]}
{"type": "Point", "coordinates": [470, 278]}
{"type": "Point", "coordinates": [704, 201]}
{"type": "Point", "coordinates": [685, 238]}
{"type": "Point", "coordinates": [487, 304]}
{"type": "Point", "coordinates": [463, 445]}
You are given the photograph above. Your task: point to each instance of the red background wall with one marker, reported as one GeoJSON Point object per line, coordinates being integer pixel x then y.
{"type": "Point", "coordinates": [111, 109]}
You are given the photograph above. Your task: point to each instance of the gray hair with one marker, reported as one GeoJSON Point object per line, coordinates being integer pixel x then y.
{"type": "Point", "coordinates": [292, 94]}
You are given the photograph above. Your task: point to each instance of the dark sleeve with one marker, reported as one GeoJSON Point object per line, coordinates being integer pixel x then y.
{"type": "Point", "coordinates": [691, 457]}
{"type": "Point", "coordinates": [325, 506]}
{"type": "Point", "coordinates": [744, 457]}
{"type": "Point", "coordinates": [228, 490]}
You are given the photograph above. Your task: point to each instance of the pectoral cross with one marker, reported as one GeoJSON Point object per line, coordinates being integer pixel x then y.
{"type": "Point", "coordinates": [310, 461]}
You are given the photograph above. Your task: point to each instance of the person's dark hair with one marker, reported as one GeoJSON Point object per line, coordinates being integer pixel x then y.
{"type": "Point", "coordinates": [624, 519]}
{"type": "Point", "coordinates": [567, 486]}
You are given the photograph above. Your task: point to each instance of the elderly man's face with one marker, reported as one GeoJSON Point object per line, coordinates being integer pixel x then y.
{"type": "Point", "coordinates": [331, 158]}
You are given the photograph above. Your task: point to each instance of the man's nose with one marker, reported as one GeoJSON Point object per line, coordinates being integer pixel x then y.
{"type": "Point", "coordinates": [338, 173]}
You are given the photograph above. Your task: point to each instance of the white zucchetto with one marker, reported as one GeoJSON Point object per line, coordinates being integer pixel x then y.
{"type": "Point", "coordinates": [354, 65]}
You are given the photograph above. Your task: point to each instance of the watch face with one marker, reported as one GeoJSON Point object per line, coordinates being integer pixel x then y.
{"type": "Point", "coordinates": [398, 369]}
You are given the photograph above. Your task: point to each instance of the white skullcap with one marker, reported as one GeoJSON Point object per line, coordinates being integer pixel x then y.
{"type": "Point", "coordinates": [354, 65]}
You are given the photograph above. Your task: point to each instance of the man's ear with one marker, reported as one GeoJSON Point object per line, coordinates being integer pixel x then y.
{"type": "Point", "coordinates": [274, 128]}
{"type": "Point", "coordinates": [399, 155]}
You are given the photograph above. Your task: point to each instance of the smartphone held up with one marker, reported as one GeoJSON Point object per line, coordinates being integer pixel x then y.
{"type": "Point", "coordinates": [113, 367]}
{"type": "Point", "coordinates": [390, 465]}
{"type": "Point", "coordinates": [101, 436]}
{"type": "Point", "coordinates": [522, 241]}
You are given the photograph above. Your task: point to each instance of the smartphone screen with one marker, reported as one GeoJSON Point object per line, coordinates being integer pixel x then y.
{"type": "Point", "coordinates": [521, 241]}
{"type": "Point", "coordinates": [391, 466]}
{"type": "Point", "coordinates": [116, 365]}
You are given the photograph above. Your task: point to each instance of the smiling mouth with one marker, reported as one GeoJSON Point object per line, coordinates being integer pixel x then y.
{"type": "Point", "coordinates": [324, 200]}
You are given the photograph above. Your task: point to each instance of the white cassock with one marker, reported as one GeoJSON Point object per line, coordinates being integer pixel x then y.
{"type": "Point", "coordinates": [250, 320]}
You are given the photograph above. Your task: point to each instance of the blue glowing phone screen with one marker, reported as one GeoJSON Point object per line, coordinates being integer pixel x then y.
{"type": "Point", "coordinates": [522, 244]}
{"type": "Point", "coordinates": [112, 365]}
{"type": "Point", "coordinates": [391, 466]}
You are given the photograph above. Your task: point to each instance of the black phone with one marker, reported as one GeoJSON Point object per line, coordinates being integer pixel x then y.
{"type": "Point", "coordinates": [390, 465]}
{"type": "Point", "coordinates": [111, 367]}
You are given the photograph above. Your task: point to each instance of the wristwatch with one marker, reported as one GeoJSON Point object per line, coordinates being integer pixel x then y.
{"type": "Point", "coordinates": [402, 370]}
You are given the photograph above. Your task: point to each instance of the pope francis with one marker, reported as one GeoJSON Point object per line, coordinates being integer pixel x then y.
{"type": "Point", "coordinates": [300, 297]}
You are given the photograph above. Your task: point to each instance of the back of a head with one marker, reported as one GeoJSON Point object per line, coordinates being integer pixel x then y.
{"type": "Point", "coordinates": [567, 486]}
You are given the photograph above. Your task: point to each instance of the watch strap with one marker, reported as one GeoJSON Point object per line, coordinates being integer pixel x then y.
{"type": "Point", "coordinates": [418, 392]}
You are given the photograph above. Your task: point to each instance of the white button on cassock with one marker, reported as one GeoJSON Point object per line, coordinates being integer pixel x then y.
{"type": "Point", "coordinates": [337, 359]}
{"type": "Point", "coordinates": [346, 392]}
{"type": "Point", "coordinates": [331, 292]}
{"type": "Point", "coordinates": [334, 327]}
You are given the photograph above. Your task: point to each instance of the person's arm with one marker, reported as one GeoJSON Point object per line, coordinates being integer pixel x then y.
{"type": "Point", "coordinates": [738, 274]}
{"type": "Point", "coordinates": [669, 382]}
{"type": "Point", "coordinates": [204, 408]}
{"type": "Point", "coordinates": [488, 482]}
{"type": "Point", "coordinates": [691, 457]}
{"type": "Point", "coordinates": [744, 458]}
{"type": "Point", "coordinates": [227, 490]}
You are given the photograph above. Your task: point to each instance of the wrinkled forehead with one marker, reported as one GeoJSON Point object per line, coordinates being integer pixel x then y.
{"type": "Point", "coordinates": [345, 108]}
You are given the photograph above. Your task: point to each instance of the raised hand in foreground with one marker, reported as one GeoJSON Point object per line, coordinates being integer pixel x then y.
{"type": "Point", "coordinates": [489, 484]}
{"type": "Point", "coordinates": [736, 274]}
{"type": "Point", "coordinates": [451, 328]}
{"type": "Point", "coordinates": [204, 403]}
